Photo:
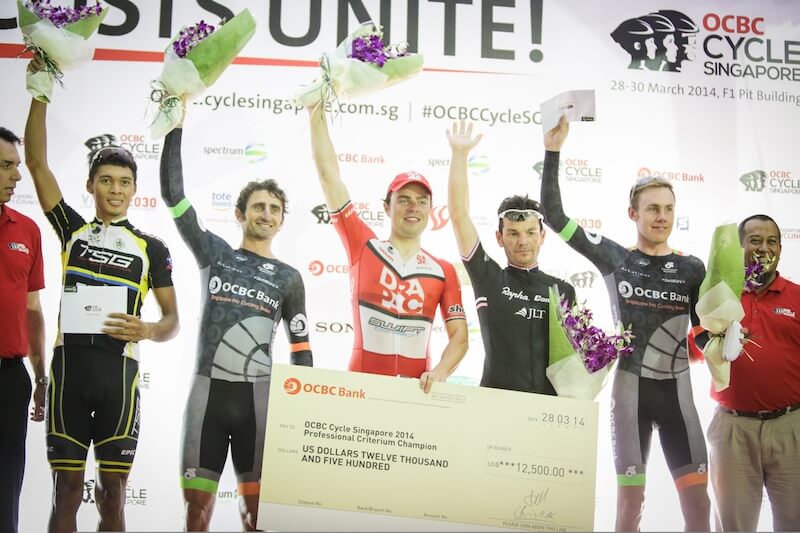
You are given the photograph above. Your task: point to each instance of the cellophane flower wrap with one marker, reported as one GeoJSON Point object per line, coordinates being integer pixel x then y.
{"type": "Point", "coordinates": [719, 305]}
{"type": "Point", "coordinates": [360, 65]}
{"type": "Point", "coordinates": [580, 354]}
{"type": "Point", "coordinates": [193, 61]}
{"type": "Point", "coordinates": [60, 36]}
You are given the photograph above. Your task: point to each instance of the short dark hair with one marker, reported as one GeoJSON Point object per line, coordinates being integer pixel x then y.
{"type": "Point", "coordinates": [111, 155]}
{"type": "Point", "coordinates": [518, 202]}
{"type": "Point", "coordinates": [269, 185]}
{"type": "Point", "coordinates": [763, 218]}
{"type": "Point", "coordinates": [9, 136]}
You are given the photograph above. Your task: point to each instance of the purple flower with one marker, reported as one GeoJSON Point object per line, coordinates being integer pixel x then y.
{"type": "Point", "coordinates": [190, 36]}
{"type": "Point", "coordinates": [370, 49]}
{"type": "Point", "coordinates": [597, 349]}
{"type": "Point", "coordinates": [61, 16]}
{"type": "Point", "coordinates": [755, 271]}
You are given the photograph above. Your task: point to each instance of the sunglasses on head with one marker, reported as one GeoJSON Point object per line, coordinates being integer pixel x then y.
{"type": "Point", "coordinates": [518, 215]}
{"type": "Point", "coordinates": [109, 151]}
{"type": "Point", "coordinates": [647, 180]}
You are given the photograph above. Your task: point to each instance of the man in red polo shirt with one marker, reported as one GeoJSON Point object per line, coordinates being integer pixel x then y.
{"type": "Point", "coordinates": [21, 332]}
{"type": "Point", "coordinates": [755, 432]}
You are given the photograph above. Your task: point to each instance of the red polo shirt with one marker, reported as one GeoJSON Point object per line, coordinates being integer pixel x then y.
{"type": "Point", "coordinates": [772, 379]}
{"type": "Point", "coordinates": [22, 272]}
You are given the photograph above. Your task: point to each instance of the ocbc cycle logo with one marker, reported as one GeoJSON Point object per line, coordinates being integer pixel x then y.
{"type": "Point", "coordinates": [292, 386]}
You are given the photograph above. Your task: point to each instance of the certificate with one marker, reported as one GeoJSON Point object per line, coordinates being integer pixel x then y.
{"type": "Point", "coordinates": [349, 451]}
{"type": "Point", "coordinates": [84, 308]}
{"type": "Point", "coordinates": [575, 105]}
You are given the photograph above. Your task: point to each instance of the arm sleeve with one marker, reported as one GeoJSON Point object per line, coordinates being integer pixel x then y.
{"type": "Point", "coordinates": [181, 210]}
{"type": "Point", "coordinates": [160, 264]}
{"type": "Point", "coordinates": [604, 253]}
{"type": "Point", "coordinates": [450, 306]}
{"type": "Point", "coordinates": [65, 221]}
{"type": "Point", "coordinates": [36, 274]}
{"type": "Point", "coordinates": [353, 232]}
{"type": "Point", "coordinates": [698, 334]}
{"type": "Point", "coordinates": [296, 323]}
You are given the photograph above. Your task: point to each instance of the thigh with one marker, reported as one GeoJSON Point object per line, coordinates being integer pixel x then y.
{"type": "Point", "coordinates": [781, 460]}
{"type": "Point", "coordinates": [68, 416]}
{"type": "Point", "coordinates": [680, 432]}
{"type": "Point", "coordinates": [117, 413]}
{"type": "Point", "coordinates": [736, 473]}
{"type": "Point", "coordinates": [247, 438]}
{"type": "Point", "coordinates": [205, 436]}
{"type": "Point", "coordinates": [630, 430]}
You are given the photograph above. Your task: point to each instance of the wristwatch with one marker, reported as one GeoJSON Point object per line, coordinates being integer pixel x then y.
{"type": "Point", "coordinates": [41, 381]}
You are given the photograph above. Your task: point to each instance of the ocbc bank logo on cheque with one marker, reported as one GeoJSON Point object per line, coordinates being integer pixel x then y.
{"type": "Point", "coordinates": [293, 386]}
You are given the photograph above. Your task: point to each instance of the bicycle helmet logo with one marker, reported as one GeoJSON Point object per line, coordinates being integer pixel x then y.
{"type": "Point", "coordinates": [292, 386]}
{"type": "Point", "coordinates": [658, 41]}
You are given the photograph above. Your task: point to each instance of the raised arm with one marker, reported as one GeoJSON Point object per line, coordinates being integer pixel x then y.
{"type": "Point", "coordinates": [181, 210]}
{"type": "Point", "coordinates": [44, 180]}
{"type": "Point", "coordinates": [461, 143]}
{"type": "Point", "coordinates": [606, 254]}
{"type": "Point", "coordinates": [333, 188]}
{"type": "Point", "coordinates": [551, 193]}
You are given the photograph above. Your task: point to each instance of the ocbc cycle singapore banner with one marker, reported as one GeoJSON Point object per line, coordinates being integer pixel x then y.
{"type": "Point", "coordinates": [350, 451]}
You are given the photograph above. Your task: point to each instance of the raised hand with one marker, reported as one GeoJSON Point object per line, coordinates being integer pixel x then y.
{"type": "Point", "coordinates": [554, 139]}
{"type": "Point", "coordinates": [460, 137]}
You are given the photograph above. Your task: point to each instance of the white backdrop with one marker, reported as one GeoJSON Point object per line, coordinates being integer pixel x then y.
{"type": "Point", "coordinates": [700, 129]}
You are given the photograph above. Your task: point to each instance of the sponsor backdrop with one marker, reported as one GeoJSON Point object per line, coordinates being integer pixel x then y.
{"type": "Point", "coordinates": [705, 94]}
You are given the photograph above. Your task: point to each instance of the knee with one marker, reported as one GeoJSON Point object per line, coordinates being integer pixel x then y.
{"type": "Point", "coordinates": [630, 502]}
{"type": "Point", "coordinates": [68, 489]}
{"type": "Point", "coordinates": [110, 497]}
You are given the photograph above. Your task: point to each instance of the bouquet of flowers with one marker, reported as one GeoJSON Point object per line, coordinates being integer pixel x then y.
{"type": "Point", "coordinates": [59, 36]}
{"type": "Point", "coordinates": [719, 304]}
{"type": "Point", "coordinates": [193, 61]}
{"type": "Point", "coordinates": [581, 354]}
{"type": "Point", "coordinates": [361, 64]}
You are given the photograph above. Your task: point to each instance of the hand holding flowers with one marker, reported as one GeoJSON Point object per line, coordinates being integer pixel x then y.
{"type": "Point", "coordinates": [581, 354]}
{"type": "Point", "coordinates": [194, 60]}
{"type": "Point", "coordinates": [59, 37]}
{"type": "Point", "coordinates": [361, 64]}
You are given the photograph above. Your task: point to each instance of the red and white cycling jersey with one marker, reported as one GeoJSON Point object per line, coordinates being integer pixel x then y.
{"type": "Point", "coordinates": [394, 300]}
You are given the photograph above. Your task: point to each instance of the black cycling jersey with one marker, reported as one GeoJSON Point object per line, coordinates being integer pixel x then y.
{"type": "Point", "coordinates": [245, 295]}
{"type": "Point", "coordinates": [513, 310]}
{"type": "Point", "coordinates": [655, 295]}
{"type": "Point", "coordinates": [118, 254]}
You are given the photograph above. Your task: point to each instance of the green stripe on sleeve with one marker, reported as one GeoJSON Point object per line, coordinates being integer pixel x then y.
{"type": "Point", "coordinates": [179, 209]}
{"type": "Point", "coordinates": [569, 230]}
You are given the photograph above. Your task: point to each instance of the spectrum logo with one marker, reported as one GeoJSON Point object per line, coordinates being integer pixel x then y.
{"type": "Point", "coordinates": [478, 165]}
{"type": "Point", "coordinates": [318, 268]}
{"type": "Point", "coordinates": [255, 152]}
{"type": "Point", "coordinates": [440, 216]}
{"type": "Point", "coordinates": [292, 386]}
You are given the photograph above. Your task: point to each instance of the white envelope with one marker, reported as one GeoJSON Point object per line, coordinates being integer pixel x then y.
{"type": "Point", "coordinates": [576, 105]}
{"type": "Point", "coordinates": [84, 308]}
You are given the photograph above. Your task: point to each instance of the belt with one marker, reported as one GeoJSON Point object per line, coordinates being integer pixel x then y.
{"type": "Point", "coordinates": [763, 415]}
{"type": "Point", "coordinates": [9, 361]}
